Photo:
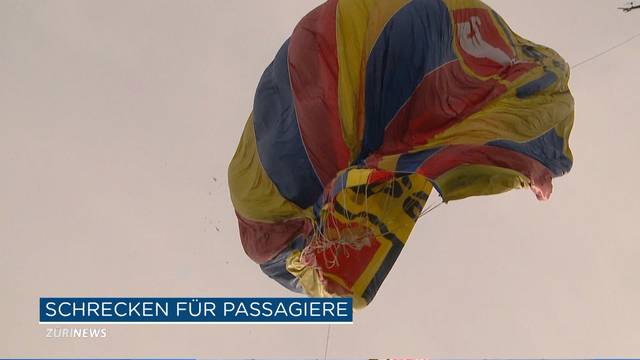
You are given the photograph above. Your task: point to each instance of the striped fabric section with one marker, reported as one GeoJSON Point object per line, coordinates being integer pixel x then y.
{"type": "Point", "coordinates": [278, 135]}
{"type": "Point", "coordinates": [431, 110]}
{"type": "Point", "coordinates": [415, 42]}
{"type": "Point", "coordinates": [253, 193]}
{"type": "Point", "coordinates": [358, 27]}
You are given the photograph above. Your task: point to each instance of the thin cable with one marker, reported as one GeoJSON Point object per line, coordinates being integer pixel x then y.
{"type": "Point", "coordinates": [431, 208]}
{"type": "Point", "coordinates": [605, 52]}
{"type": "Point", "coordinates": [326, 346]}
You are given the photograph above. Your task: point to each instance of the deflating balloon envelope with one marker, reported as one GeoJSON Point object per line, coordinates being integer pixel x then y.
{"type": "Point", "coordinates": [367, 107]}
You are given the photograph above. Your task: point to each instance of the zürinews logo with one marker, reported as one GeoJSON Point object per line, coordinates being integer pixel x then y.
{"type": "Point", "coordinates": [195, 310]}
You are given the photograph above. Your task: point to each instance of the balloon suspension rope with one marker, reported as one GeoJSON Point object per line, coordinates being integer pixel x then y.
{"type": "Point", "coordinates": [345, 245]}
{"type": "Point", "coordinates": [620, 44]}
{"type": "Point", "coordinates": [326, 345]}
{"type": "Point", "coordinates": [342, 241]}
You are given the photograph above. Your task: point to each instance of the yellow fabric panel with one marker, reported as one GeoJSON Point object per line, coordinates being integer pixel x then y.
{"type": "Point", "coordinates": [357, 177]}
{"type": "Point", "coordinates": [389, 162]}
{"type": "Point", "coordinates": [564, 130]}
{"type": "Point", "coordinates": [551, 61]}
{"type": "Point", "coordinates": [474, 180]}
{"type": "Point", "coordinates": [308, 276]}
{"type": "Point", "coordinates": [509, 118]}
{"type": "Point", "coordinates": [253, 194]}
{"type": "Point", "coordinates": [357, 203]}
{"type": "Point", "coordinates": [384, 207]}
{"type": "Point", "coordinates": [397, 221]}
{"type": "Point", "coordinates": [358, 26]}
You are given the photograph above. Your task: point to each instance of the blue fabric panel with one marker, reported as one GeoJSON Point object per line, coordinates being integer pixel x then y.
{"type": "Point", "coordinates": [278, 138]}
{"type": "Point", "coordinates": [548, 149]}
{"type": "Point", "coordinates": [415, 41]}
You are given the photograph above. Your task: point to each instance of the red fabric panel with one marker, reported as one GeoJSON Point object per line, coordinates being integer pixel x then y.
{"type": "Point", "coordinates": [489, 33]}
{"type": "Point", "coordinates": [313, 67]}
{"type": "Point", "coordinates": [379, 176]}
{"type": "Point", "coordinates": [444, 97]}
{"type": "Point", "coordinates": [456, 155]}
{"type": "Point", "coordinates": [345, 262]}
{"type": "Point", "coordinates": [262, 241]}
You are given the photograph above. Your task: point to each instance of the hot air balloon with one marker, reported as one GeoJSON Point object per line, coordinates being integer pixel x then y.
{"type": "Point", "coordinates": [367, 108]}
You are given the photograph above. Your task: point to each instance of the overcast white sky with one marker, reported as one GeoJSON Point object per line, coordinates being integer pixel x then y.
{"type": "Point", "coordinates": [117, 123]}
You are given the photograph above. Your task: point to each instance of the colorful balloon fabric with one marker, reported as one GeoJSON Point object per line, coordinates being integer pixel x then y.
{"type": "Point", "coordinates": [367, 107]}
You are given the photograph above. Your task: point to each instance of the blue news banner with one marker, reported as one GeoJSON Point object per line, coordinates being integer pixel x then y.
{"type": "Point", "coordinates": [196, 310]}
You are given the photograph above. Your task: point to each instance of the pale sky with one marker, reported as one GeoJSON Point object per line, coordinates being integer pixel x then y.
{"type": "Point", "coordinates": [115, 118]}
